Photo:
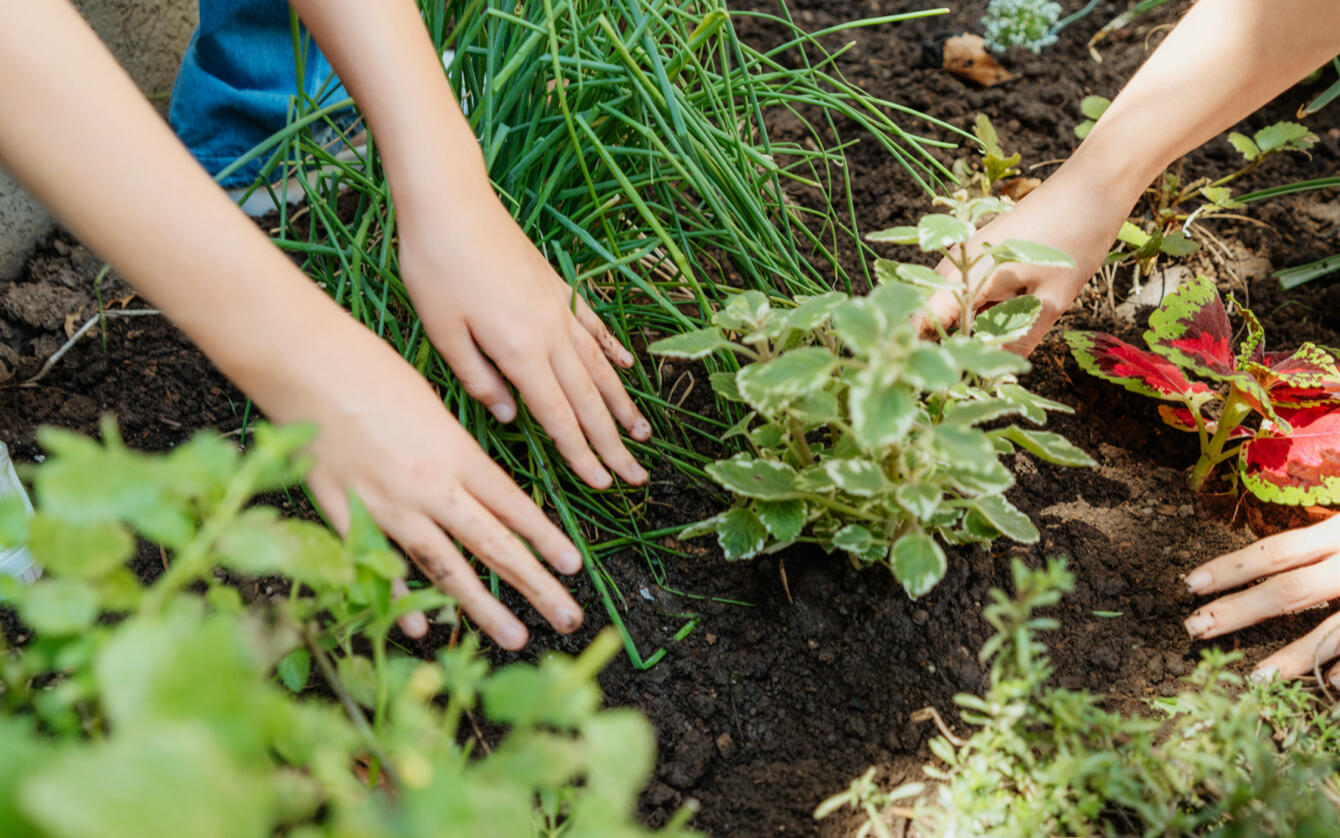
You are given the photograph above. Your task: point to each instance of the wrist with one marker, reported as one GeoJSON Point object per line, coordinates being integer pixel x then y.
{"type": "Point", "coordinates": [1112, 171]}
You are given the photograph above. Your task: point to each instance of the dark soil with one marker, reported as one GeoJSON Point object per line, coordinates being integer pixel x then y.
{"type": "Point", "coordinates": [765, 709]}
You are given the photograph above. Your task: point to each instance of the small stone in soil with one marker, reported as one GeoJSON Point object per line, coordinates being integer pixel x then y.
{"type": "Point", "coordinates": [1186, 510]}
{"type": "Point", "coordinates": [920, 616]}
{"type": "Point", "coordinates": [725, 746]}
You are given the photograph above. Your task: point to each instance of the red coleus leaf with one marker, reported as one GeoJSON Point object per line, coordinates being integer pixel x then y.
{"type": "Point", "coordinates": [1183, 419]}
{"type": "Point", "coordinates": [1303, 378]}
{"type": "Point", "coordinates": [1191, 329]}
{"type": "Point", "coordinates": [1180, 418]}
{"type": "Point", "coordinates": [1301, 467]}
{"type": "Point", "coordinates": [1113, 359]}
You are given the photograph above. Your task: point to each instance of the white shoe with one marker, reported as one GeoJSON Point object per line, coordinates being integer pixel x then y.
{"type": "Point", "coordinates": [262, 201]}
{"type": "Point", "coordinates": [16, 561]}
{"type": "Point", "coordinates": [289, 191]}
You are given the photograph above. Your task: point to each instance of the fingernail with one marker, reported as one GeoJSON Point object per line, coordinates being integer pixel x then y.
{"type": "Point", "coordinates": [1265, 674]}
{"type": "Point", "coordinates": [637, 475]}
{"type": "Point", "coordinates": [512, 637]}
{"type": "Point", "coordinates": [1198, 624]}
{"type": "Point", "coordinates": [1198, 580]}
{"type": "Point", "coordinates": [625, 357]}
{"type": "Point", "coordinates": [641, 429]}
{"type": "Point", "coordinates": [570, 558]}
{"type": "Point", "coordinates": [569, 621]}
{"type": "Point", "coordinates": [503, 411]}
{"type": "Point", "coordinates": [600, 478]}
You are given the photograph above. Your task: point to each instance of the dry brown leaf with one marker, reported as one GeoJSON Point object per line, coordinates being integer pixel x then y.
{"type": "Point", "coordinates": [73, 321]}
{"type": "Point", "coordinates": [966, 56]}
{"type": "Point", "coordinates": [1017, 187]}
{"type": "Point", "coordinates": [124, 301]}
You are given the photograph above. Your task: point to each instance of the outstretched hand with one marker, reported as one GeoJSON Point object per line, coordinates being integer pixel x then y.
{"type": "Point", "coordinates": [496, 309]}
{"type": "Point", "coordinates": [1293, 570]}
{"type": "Point", "coordinates": [429, 485]}
{"type": "Point", "coordinates": [1066, 213]}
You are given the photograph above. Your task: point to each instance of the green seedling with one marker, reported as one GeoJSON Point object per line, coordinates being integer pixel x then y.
{"type": "Point", "coordinates": [170, 708]}
{"type": "Point", "coordinates": [861, 436]}
{"type": "Point", "coordinates": [1217, 759]}
{"type": "Point", "coordinates": [996, 165]}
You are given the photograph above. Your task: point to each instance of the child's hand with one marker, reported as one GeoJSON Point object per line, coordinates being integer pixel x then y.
{"type": "Point", "coordinates": [1300, 569]}
{"type": "Point", "coordinates": [427, 483]}
{"type": "Point", "coordinates": [1067, 213]}
{"type": "Point", "coordinates": [491, 303]}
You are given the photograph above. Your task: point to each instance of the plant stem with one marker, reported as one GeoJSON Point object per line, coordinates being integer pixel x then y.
{"type": "Point", "coordinates": [802, 447]}
{"type": "Point", "coordinates": [351, 708]}
{"type": "Point", "coordinates": [1235, 410]}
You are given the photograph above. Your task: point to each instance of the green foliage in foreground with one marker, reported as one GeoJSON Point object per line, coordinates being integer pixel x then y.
{"type": "Point", "coordinates": [864, 437]}
{"type": "Point", "coordinates": [1213, 760]}
{"type": "Point", "coordinates": [171, 710]}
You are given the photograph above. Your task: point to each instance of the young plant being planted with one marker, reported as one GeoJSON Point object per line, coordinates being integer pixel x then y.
{"type": "Point", "coordinates": [861, 436]}
{"type": "Point", "coordinates": [1277, 413]}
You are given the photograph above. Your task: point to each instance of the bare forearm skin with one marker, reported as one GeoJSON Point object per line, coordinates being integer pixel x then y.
{"type": "Point", "coordinates": [1226, 59]}
{"type": "Point", "coordinates": [79, 136]}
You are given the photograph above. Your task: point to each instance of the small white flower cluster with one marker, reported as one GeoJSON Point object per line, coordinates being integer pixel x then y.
{"type": "Point", "coordinates": [1026, 23]}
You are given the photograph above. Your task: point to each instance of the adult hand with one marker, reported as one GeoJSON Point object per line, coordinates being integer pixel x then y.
{"type": "Point", "coordinates": [492, 304]}
{"type": "Point", "coordinates": [1066, 212]}
{"type": "Point", "coordinates": [1298, 569]}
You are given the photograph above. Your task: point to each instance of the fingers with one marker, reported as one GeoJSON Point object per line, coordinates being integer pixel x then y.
{"type": "Point", "coordinates": [478, 376]}
{"type": "Point", "coordinates": [551, 407]}
{"type": "Point", "coordinates": [611, 389]}
{"type": "Point", "coordinates": [505, 501]}
{"type": "Point", "coordinates": [594, 419]}
{"type": "Point", "coordinates": [592, 324]}
{"type": "Point", "coordinates": [1302, 656]}
{"type": "Point", "coordinates": [1292, 590]}
{"type": "Point", "coordinates": [415, 624]}
{"type": "Point", "coordinates": [429, 548]}
{"type": "Point", "coordinates": [496, 546]}
{"type": "Point", "coordinates": [1290, 549]}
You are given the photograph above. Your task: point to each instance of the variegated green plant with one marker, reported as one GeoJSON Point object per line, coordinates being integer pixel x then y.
{"type": "Point", "coordinates": [864, 437]}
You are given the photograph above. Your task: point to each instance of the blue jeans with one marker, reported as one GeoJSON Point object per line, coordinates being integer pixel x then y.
{"type": "Point", "coordinates": [236, 81]}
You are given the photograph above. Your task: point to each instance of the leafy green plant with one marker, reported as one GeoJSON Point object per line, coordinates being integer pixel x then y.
{"type": "Point", "coordinates": [1026, 23]}
{"type": "Point", "coordinates": [995, 167]}
{"type": "Point", "coordinates": [1041, 760]}
{"type": "Point", "coordinates": [1292, 455]}
{"type": "Point", "coordinates": [171, 709]}
{"type": "Point", "coordinates": [630, 141]}
{"type": "Point", "coordinates": [1092, 107]}
{"type": "Point", "coordinates": [861, 436]}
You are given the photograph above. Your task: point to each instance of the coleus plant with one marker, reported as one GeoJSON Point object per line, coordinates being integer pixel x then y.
{"type": "Point", "coordinates": [1278, 413]}
{"type": "Point", "coordinates": [864, 437]}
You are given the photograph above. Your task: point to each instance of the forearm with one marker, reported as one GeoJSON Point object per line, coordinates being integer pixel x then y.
{"type": "Point", "coordinates": [383, 54]}
{"type": "Point", "coordinates": [1226, 59]}
{"type": "Point", "coordinates": [79, 135]}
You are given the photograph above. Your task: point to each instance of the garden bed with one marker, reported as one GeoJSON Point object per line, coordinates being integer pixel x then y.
{"type": "Point", "coordinates": [765, 709]}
